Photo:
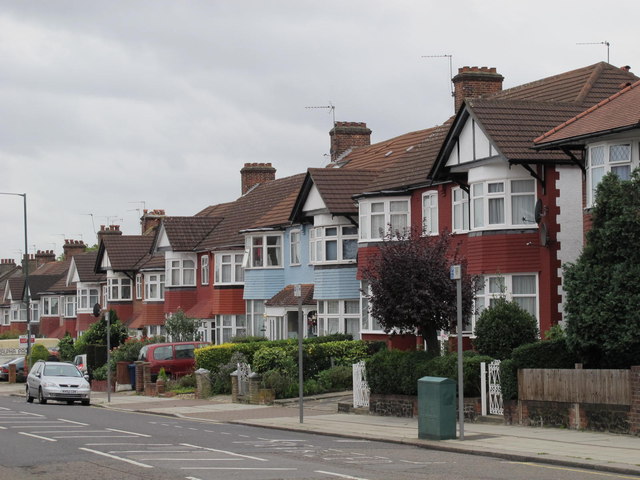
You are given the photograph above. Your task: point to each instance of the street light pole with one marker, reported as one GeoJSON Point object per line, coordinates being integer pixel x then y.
{"type": "Point", "coordinates": [26, 296]}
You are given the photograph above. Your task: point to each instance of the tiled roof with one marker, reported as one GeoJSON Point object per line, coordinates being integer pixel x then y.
{"type": "Point", "coordinates": [153, 262]}
{"type": "Point", "coordinates": [52, 268]}
{"type": "Point", "coordinates": [214, 210]}
{"type": "Point", "coordinates": [247, 211]}
{"type": "Point", "coordinates": [185, 233]}
{"type": "Point", "coordinates": [85, 266]}
{"type": "Point", "coordinates": [512, 125]}
{"type": "Point", "coordinates": [126, 252]}
{"type": "Point", "coordinates": [338, 185]}
{"type": "Point", "coordinates": [60, 287]}
{"type": "Point", "coordinates": [285, 297]}
{"type": "Point", "coordinates": [39, 284]}
{"type": "Point", "coordinates": [16, 287]}
{"type": "Point", "coordinates": [583, 86]}
{"type": "Point", "coordinates": [618, 112]}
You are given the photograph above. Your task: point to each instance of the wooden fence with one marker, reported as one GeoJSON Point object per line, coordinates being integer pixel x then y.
{"type": "Point", "coordinates": [611, 387]}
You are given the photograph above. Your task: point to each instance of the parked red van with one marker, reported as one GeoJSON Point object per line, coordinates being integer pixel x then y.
{"type": "Point", "coordinates": [176, 358]}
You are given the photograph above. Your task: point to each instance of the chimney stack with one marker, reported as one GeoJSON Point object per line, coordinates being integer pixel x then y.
{"type": "Point", "coordinates": [151, 220]}
{"type": "Point", "coordinates": [73, 247]}
{"type": "Point", "coordinates": [32, 263]}
{"type": "Point", "coordinates": [254, 173]}
{"type": "Point", "coordinates": [107, 231]}
{"type": "Point", "coordinates": [6, 265]}
{"type": "Point", "coordinates": [346, 135]}
{"type": "Point", "coordinates": [474, 82]}
{"type": "Point", "coordinates": [44, 256]}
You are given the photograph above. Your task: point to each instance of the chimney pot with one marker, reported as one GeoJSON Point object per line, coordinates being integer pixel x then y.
{"type": "Point", "coordinates": [255, 173]}
{"type": "Point", "coordinates": [475, 82]}
{"type": "Point", "coordinates": [347, 135]}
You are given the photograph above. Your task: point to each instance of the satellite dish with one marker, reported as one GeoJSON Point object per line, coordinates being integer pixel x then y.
{"type": "Point", "coordinates": [538, 212]}
{"type": "Point", "coordinates": [96, 310]}
{"type": "Point", "coordinates": [544, 235]}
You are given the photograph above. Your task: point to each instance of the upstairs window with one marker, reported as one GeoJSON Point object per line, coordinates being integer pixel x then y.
{"type": "Point", "coordinates": [460, 200]}
{"type": "Point", "coordinates": [154, 286]}
{"type": "Point", "coordinates": [182, 272]}
{"type": "Point", "coordinates": [70, 306]}
{"type": "Point", "coordinates": [379, 217]}
{"type": "Point", "coordinates": [503, 203]}
{"type": "Point", "coordinates": [333, 244]}
{"type": "Point", "coordinates": [294, 247]}
{"type": "Point", "coordinates": [139, 286]}
{"type": "Point", "coordinates": [119, 288]}
{"type": "Point", "coordinates": [265, 251]}
{"type": "Point", "coordinates": [204, 270]}
{"type": "Point", "coordinates": [50, 306]}
{"type": "Point", "coordinates": [87, 297]}
{"type": "Point", "coordinates": [602, 159]}
{"type": "Point", "coordinates": [229, 268]}
{"type": "Point", "coordinates": [430, 213]}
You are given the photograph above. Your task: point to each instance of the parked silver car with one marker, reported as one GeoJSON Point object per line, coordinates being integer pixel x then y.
{"type": "Point", "coordinates": [57, 381]}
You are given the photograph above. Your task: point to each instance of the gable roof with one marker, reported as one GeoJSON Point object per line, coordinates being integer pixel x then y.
{"type": "Point", "coordinates": [286, 298]}
{"type": "Point", "coordinates": [247, 211]}
{"type": "Point", "coordinates": [620, 112]}
{"type": "Point", "coordinates": [85, 266]}
{"type": "Point", "coordinates": [126, 252]}
{"type": "Point", "coordinates": [186, 233]}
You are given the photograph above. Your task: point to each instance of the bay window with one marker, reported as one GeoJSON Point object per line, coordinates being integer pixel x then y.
{"type": "Point", "coordinates": [50, 306]}
{"type": "Point", "coordinates": [430, 213]}
{"type": "Point", "coordinates": [460, 200]}
{"type": "Point", "coordinates": [70, 306]}
{"type": "Point", "coordinates": [379, 217]}
{"type": "Point", "coordinates": [119, 288]}
{"type": "Point", "coordinates": [154, 286]}
{"type": "Point", "coordinates": [265, 251]}
{"type": "Point", "coordinates": [503, 203]}
{"type": "Point", "coordinates": [139, 286]}
{"type": "Point", "coordinates": [333, 244]}
{"type": "Point", "coordinates": [182, 272]}
{"type": "Point", "coordinates": [229, 326]}
{"type": "Point", "coordinates": [339, 316]}
{"type": "Point", "coordinates": [228, 268]}
{"type": "Point", "coordinates": [605, 158]}
{"type": "Point", "coordinates": [88, 297]}
{"type": "Point", "coordinates": [18, 312]}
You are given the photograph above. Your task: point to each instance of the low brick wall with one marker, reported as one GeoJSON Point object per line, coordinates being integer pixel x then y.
{"type": "Point", "coordinates": [407, 406]}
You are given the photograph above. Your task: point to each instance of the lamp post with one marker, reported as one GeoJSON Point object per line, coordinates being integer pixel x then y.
{"type": "Point", "coordinates": [26, 268]}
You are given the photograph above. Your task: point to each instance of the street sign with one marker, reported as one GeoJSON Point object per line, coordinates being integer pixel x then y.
{"type": "Point", "coordinates": [297, 290]}
{"type": "Point", "coordinates": [455, 272]}
{"type": "Point", "coordinates": [23, 338]}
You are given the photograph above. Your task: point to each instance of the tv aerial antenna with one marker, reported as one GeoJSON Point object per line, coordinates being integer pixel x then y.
{"type": "Point", "coordinates": [450, 57]}
{"type": "Point", "coordinates": [607, 44]}
{"type": "Point", "coordinates": [139, 210]}
{"type": "Point", "coordinates": [331, 107]}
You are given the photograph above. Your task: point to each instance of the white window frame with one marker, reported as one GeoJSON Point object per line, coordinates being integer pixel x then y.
{"type": "Point", "coordinates": [485, 195]}
{"type": "Point", "coordinates": [381, 209]}
{"type": "Point", "coordinates": [231, 262]}
{"type": "Point", "coordinates": [204, 270]}
{"type": "Point", "coordinates": [85, 302]}
{"type": "Point", "coordinates": [497, 285]}
{"type": "Point", "coordinates": [430, 213]}
{"type": "Point", "coordinates": [6, 316]}
{"type": "Point", "coordinates": [139, 286]}
{"type": "Point", "coordinates": [295, 247]}
{"type": "Point", "coordinates": [335, 316]}
{"type": "Point", "coordinates": [18, 312]}
{"type": "Point", "coordinates": [151, 280]}
{"type": "Point", "coordinates": [321, 237]}
{"type": "Point", "coordinates": [182, 272]}
{"type": "Point", "coordinates": [368, 323]}
{"type": "Point", "coordinates": [35, 311]}
{"type": "Point", "coordinates": [51, 306]}
{"type": "Point", "coordinates": [70, 306]}
{"type": "Point", "coordinates": [118, 288]}
{"type": "Point", "coordinates": [459, 210]}
{"type": "Point", "coordinates": [262, 248]}
{"type": "Point", "coordinates": [229, 326]}
{"type": "Point", "coordinates": [607, 164]}
{"type": "Point", "coordinates": [256, 317]}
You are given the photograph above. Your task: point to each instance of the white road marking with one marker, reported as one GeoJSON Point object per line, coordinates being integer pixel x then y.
{"type": "Point", "coordinates": [132, 462]}
{"type": "Point", "coordinates": [191, 428]}
{"type": "Point", "coordinates": [26, 420]}
{"type": "Point", "coordinates": [76, 423]}
{"type": "Point", "coordinates": [352, 441]}
{"type": "Point", "coordinates": [3, 428]}
{"type": "Point", "coordinates": [37, 436]}
{"type": "Point", "coordinates": [191, 478]}
{"type": "Point", "coordinates": [191, 459]}
{"type": "Point", "coordinates": [4, 408]}
{"type": "Point", "coordinates": [240, 468]}
{"type": "Point", "coordinates": [153, 451]}
{"type": "Point", "coordinates": [244, 436]}
{"type": "Point", "coordinates": [93, 436]}
{"type": "Point", "coordinates": [225, 433]}
{"type": "Point", "coordinates": [129, 443]}
{"type": "Point", "coordinates": [33, 414]}
{"type": "Point", "coordinates": [340, 475]}
{"type": "Point", "coordinates": [130, 433]}
{"type": "Point", "coordinates": [420, 463]}
{"type": "Point", "coordinates": [224, 451]}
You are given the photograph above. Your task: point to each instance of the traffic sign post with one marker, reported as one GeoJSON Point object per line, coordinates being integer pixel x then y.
{"type": "Point", "coordinates": [455, 273]}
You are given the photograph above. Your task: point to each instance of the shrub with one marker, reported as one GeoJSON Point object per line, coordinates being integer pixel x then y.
{"type": "Point", "coordinates": [336, 379]}
{"type": "Point", "coordinates": [187, 381]}
{"type": "Point", "coordinates": [38, 352]}
{"type": "Point", "coordinates": [283, 384]}
{"type": "Point", "coordinates": [502, 327]}
{"type": "Point", "coordinates": [100, 373]}
{"type": "Point", "coordinates": [396, 371]}
{"type": "Point", "coordinates": [221, 376]}
{"type": "Point", "coordinates": [248, 339]}
{"type": "Point", "coordinates": [10, 335]}
{"type": "Point", "coordinates": [274, 358]}
{"type": "Point", "coordinates": [508, 379]}
{"type": "Point", "coordinates": [130, 349]}
{"type": "Point", "coordinates": [66, 348]}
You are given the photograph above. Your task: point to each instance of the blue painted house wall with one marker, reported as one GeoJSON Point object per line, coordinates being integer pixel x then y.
{"type": "Point", "coordinates": [332, 283]}
{"type": "Point", "coordinates": [262, 283]}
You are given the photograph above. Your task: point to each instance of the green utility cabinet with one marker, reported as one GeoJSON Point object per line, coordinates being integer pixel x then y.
{"type": "Point", "coordinates": [436, 408]}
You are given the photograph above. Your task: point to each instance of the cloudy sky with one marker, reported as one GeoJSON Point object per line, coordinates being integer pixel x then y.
{"type": "Point", "coordinates": [108, 107]}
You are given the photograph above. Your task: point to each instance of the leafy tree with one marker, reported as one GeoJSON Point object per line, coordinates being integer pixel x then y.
{"type": "Point", "coordinates": [97, 333]}
{"type": "Point", "coordinates": [411, 289]}
{"type": "Point", "coordinates": [603, 285]}
{"type": "Point", "coordinates": [182, 328]}
{"type": "Point", "coordinates": [66, 347]}
{"type": "Point", "coordinates": [502, 327]}
{"type": "Point", "coordinates": [38, 352]}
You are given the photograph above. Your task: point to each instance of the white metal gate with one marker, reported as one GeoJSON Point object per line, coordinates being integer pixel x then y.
{"type": "Point", "coordinates": [244, 370]}
{"type": "Point", "coordinates": [495, 391]}
{"type": "Point", "coordinates": [360, 386]}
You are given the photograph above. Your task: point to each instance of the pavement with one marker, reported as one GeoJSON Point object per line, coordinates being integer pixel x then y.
{"type": "Point", "coordinates": [605, 452]}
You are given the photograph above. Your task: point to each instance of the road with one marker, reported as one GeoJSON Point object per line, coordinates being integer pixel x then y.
{"type": "Point", "coordinates": [67, 442]}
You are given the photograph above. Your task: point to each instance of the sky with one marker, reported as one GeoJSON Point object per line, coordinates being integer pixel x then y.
{"type": "Point", "coordinates": [110, 107]}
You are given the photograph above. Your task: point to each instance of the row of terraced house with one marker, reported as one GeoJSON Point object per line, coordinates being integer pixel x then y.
{"type": "Point", "coordinates": [511, 174]}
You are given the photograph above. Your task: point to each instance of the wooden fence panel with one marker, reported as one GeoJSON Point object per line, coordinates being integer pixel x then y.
{"type": "Point", "coordinates": [610, 387]}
